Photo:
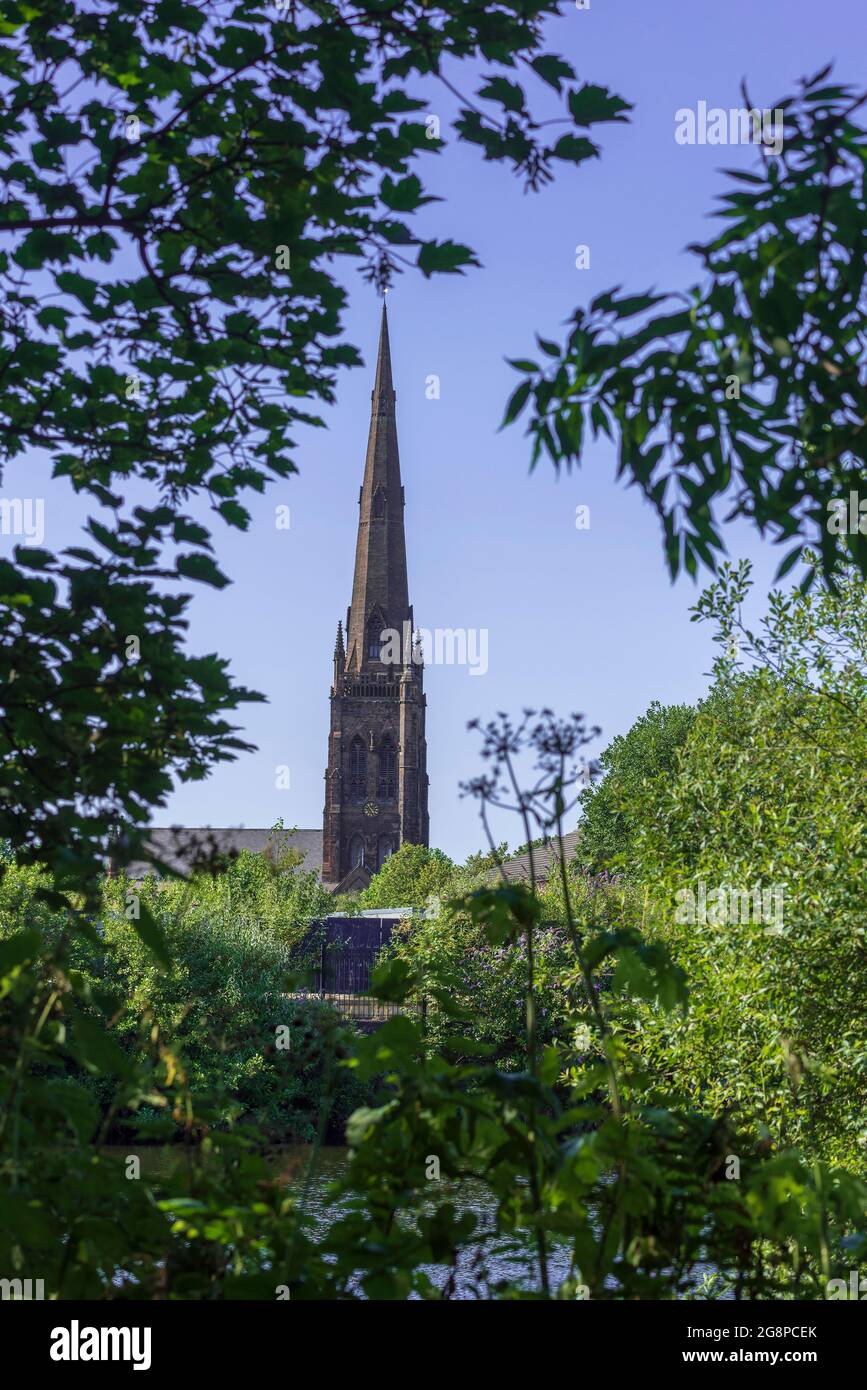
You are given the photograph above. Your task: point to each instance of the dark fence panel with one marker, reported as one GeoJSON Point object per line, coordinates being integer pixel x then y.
{"type": "Point", "coordinates": [340, 956]}
{"type": "Point", "coordinates": [369, 933]}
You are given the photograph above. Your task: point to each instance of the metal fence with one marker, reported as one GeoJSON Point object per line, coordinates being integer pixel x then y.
{"type": "Point", "coordinates": [342, 976]}
{"type": "Point", "coordinates": [339, 957]}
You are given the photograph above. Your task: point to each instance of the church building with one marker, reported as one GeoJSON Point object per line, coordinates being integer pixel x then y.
{"type": "Point", "coordinates": [376, 782]}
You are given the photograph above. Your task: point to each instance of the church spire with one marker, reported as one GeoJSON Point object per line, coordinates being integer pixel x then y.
{"type": "Point", "coordinates": [376, 782]}
{"type": "Point", "coordinates": [380, 593]}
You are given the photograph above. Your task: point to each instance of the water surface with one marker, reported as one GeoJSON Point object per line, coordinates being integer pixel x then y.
{"type": "Point", "coordinates": [510, 1259]}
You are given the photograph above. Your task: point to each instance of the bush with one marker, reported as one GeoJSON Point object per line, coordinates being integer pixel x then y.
{"type": "Point", "coordinates": [768, 794]}
{"type": "Point", "coordinates": [409, 878]}
{"type": "Point", "coordinates": [216, 1009]}
{"type": "Point", "coordinates": [611, 808]}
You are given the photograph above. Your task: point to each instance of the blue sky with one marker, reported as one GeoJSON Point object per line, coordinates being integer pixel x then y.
{"type": "Point", "coordinates": [577, 620]}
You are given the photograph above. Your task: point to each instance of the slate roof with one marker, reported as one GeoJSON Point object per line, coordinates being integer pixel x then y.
{"type": "Point", "coordinates": [545, 859]}
{"type": "Point", "coordinates": [179, 846]}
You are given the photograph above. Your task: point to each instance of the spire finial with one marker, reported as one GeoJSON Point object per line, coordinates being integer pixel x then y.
{"type": "Point", "coordinates": [382, 396]}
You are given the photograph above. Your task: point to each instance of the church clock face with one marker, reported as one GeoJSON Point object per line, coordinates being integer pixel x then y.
{"type": "Point", "coordinates": [371, 808]}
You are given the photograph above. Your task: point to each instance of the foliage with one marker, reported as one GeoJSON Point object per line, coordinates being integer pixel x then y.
{"type": "Point", "coordinates": [410, 877]}
{"type": "Point", "coordinates": [633, 1207]}
{"type": "Point", "coordinates": [768, 795]}
{"type": "Point", "coordinates": [753, 380]}
{"type": "Point", "coordinates": [247, 1048]}
{"type": "Point", "coordinates": [268, 888]}
{"type": "Point", "coordinates": [69, 1207]}
{"type": "Point", "coordinates": [621, 1193]}
{"type": "Point", "coordinates": [176, 184]}
{"type": "Point", "coordinates": [608, 809]}
{"type": "Point", "coordinates": [450, 950]}
{"type": "Point", "coordinates": [485, 986]}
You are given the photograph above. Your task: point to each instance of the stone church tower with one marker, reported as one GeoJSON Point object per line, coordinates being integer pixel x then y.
{"type": "Point", "coordinates": [376, 781]}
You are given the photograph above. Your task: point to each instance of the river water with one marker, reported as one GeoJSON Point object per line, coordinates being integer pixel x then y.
{"type": "Point", "coordinates": [508, 1259]}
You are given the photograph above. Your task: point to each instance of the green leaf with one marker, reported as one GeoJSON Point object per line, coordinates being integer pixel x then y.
{"type": "Point", "coordinates": [508, 94]}
{"type": "Point", "coordinates": [94, 1048]}
{"type": "Point", "coordinates": [553, 70]}
{"type": "Point", "coordinates": [201, 568]}
{"type": "Point", "coordinates": [393, 980]}
{"type": "Point", "coordinates": [591, 104]}
{"type": "Point", "coordinates": [444, 256]}
{"type": "Point", "coordinates": [575, 148]}
{"type": "Point", "coordinates": [517, 401]}
{"type": "Point", "coordinates": [18, 949]}
{"type": "Point", "coordinates": [151, 933]}
{"type": "Point", "coordinates": [235, 514]}
{"type": "Point", "coordinates": [405, 195]}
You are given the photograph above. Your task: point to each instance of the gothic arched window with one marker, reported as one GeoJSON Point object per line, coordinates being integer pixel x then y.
{"type": "Point", "coordinates": [374, 639]}
{"type": "Point", "coordinates": [387, 788]}
{"type": "Point", "coordinates": [357, 770]}
{"type": "Point", "coordinates": [356, 852]}
{"type": "Point", "coordinates": [385, 850]}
